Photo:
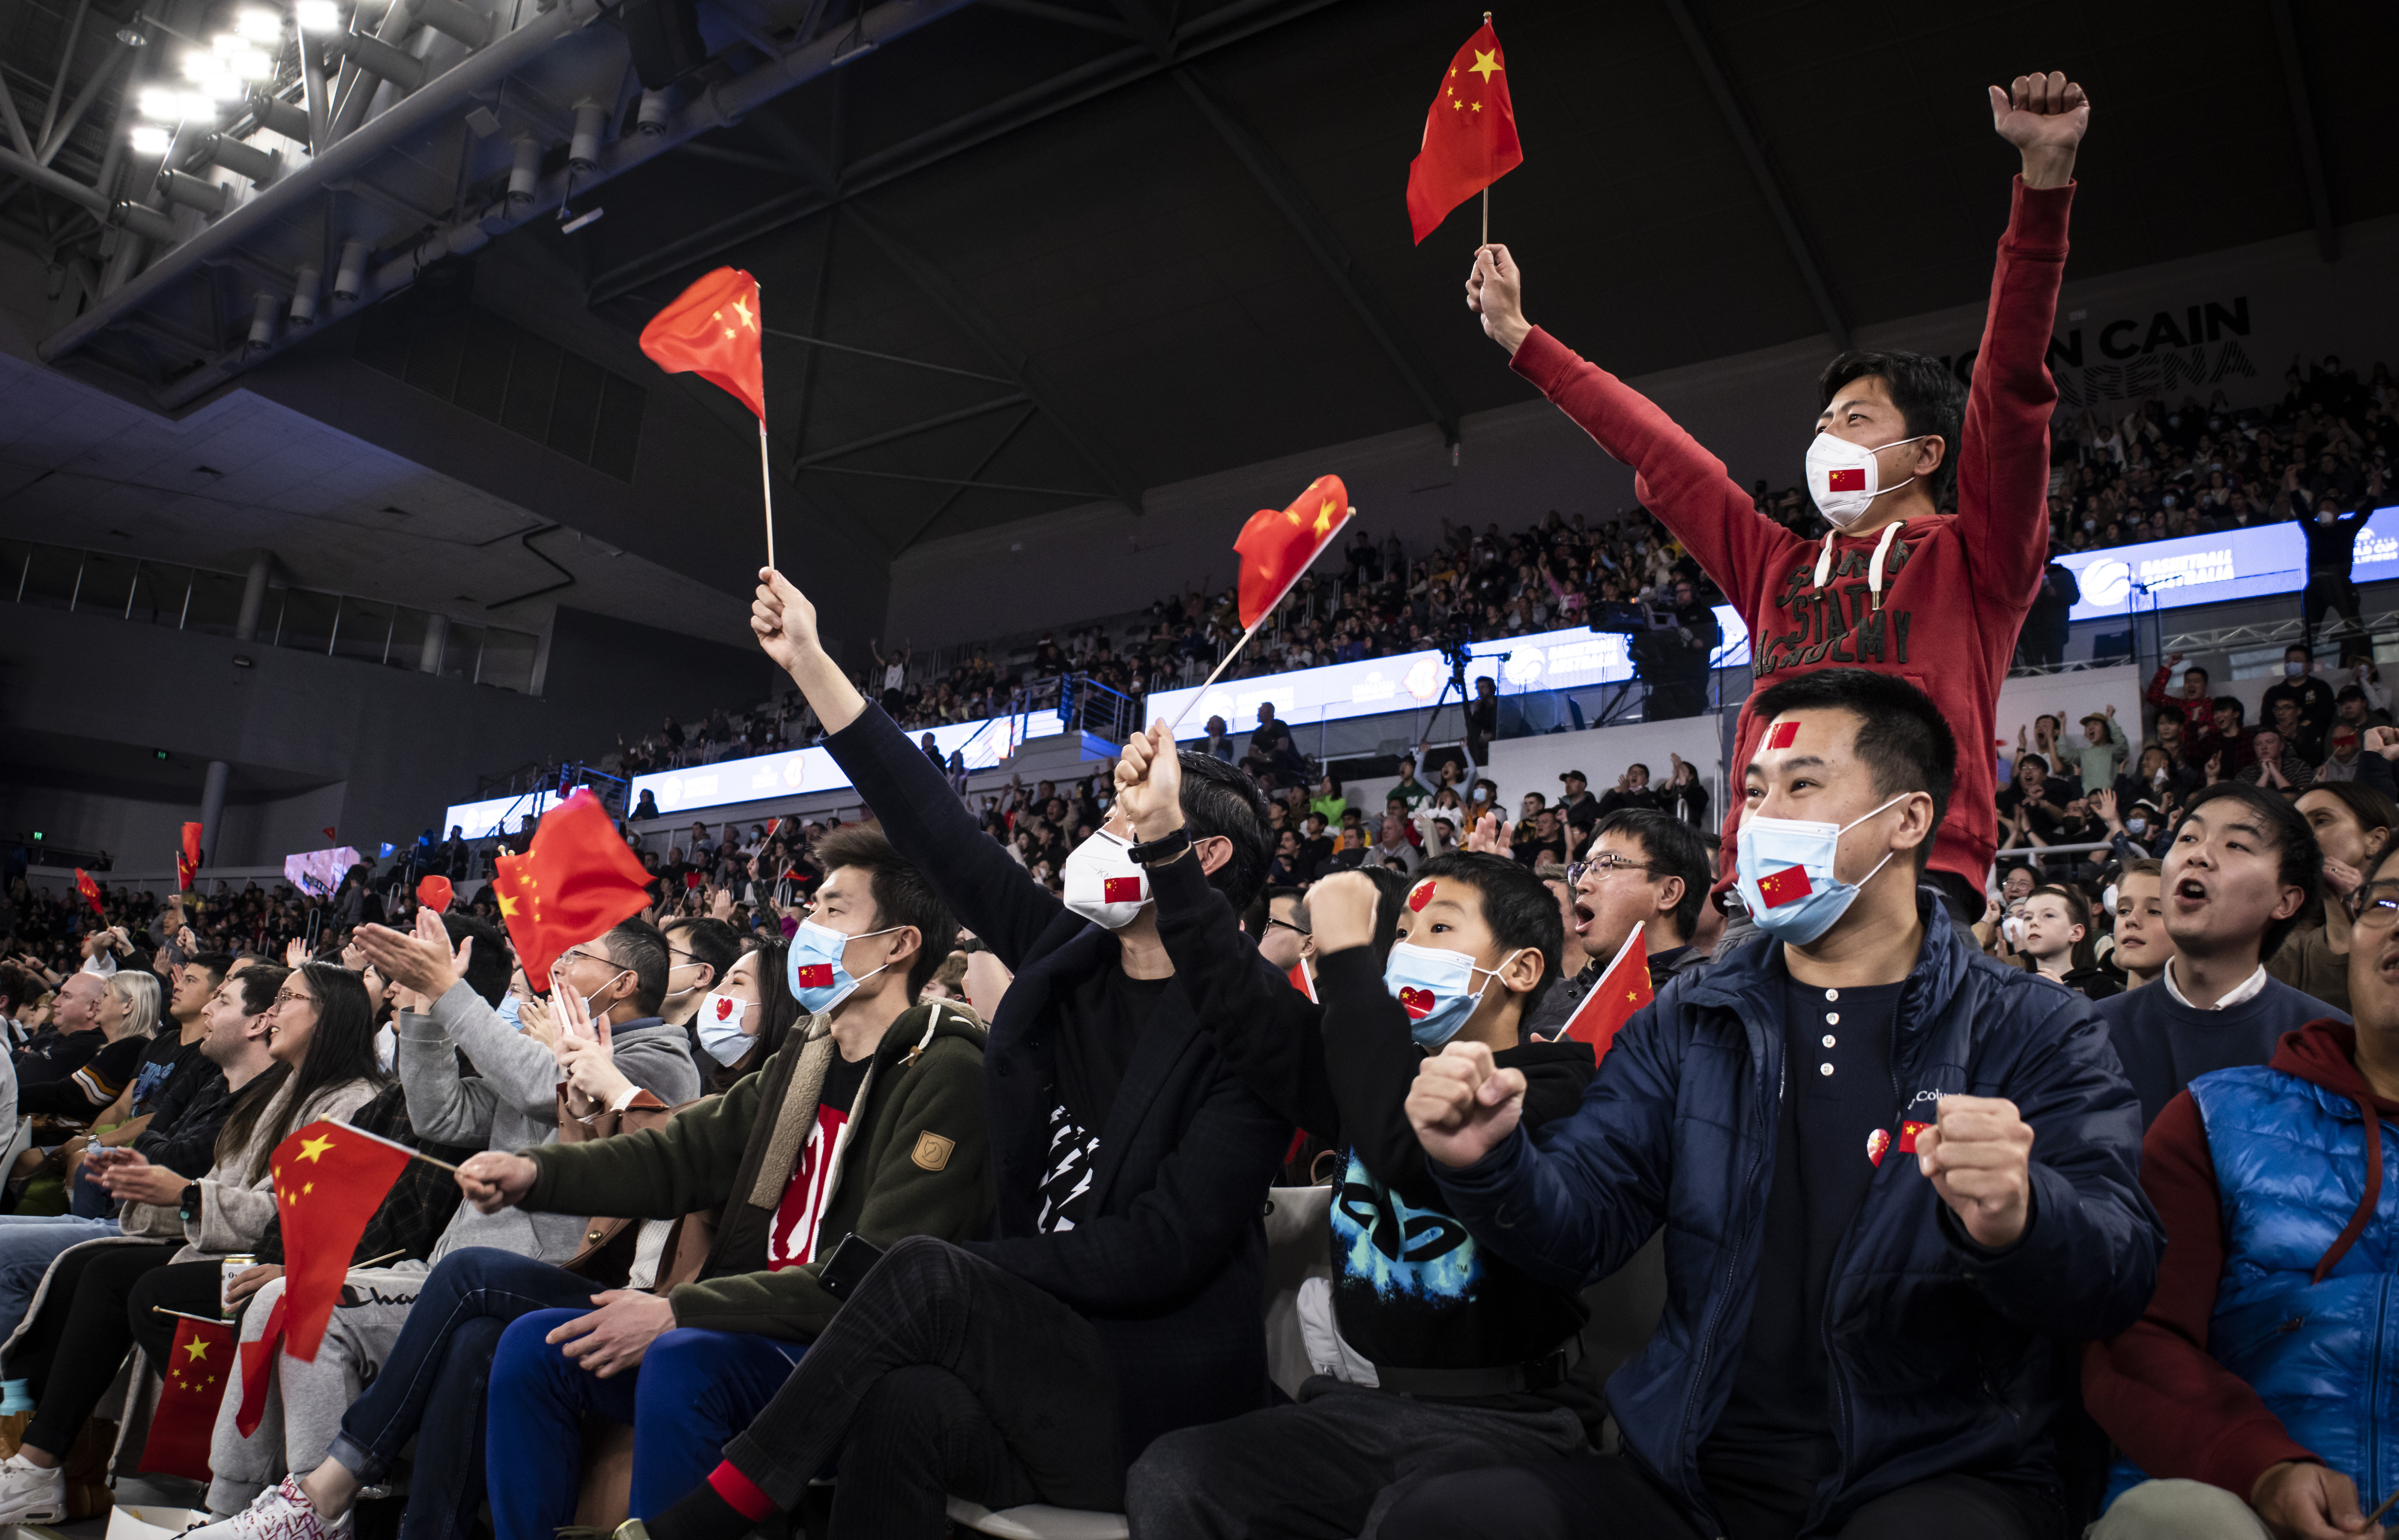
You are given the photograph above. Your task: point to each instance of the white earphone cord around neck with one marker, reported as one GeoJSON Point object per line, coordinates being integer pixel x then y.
{"type": "Point", "coordinates": [1874, 568]}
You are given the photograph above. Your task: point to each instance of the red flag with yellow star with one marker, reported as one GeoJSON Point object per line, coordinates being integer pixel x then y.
{"type": "Point", "coordinates": [330, 1179]}
{"type": "Point", "coordinates": [90, 891]}
{"type": "Point", "coordinates": [191, 1382]}
{"type": "Point", "coordinates": [713, 331]}
{"type": "Point", "coordinates": [574, 881]}
{"type": "Point", "coordinates": [1622, 988]}
{"type": "Point", "coordinates": [1277, 544]}
{"type": "Point", "coordinates": [1470, 138]}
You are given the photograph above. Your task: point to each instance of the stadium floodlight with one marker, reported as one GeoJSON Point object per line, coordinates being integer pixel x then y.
{"type": "Point", "coordinates": [251, 64]}
{"type": "Point", "coordinates": [149, 138]}
{"type": "Point", "coordinates": [161, 103]}
{"type": "Point", "coordinates": [258, 25]}
{"type": "Point", "coordinates": [319, 16]}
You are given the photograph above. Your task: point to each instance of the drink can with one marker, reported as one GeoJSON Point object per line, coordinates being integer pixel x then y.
{"type": "Point", "coordinates": [231, 1268]}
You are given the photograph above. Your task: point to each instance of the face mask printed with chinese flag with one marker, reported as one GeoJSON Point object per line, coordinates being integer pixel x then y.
{"type": "Point", "coordinates": [1103, 884]}
{"type": "Point", "coordinates": [818, 980]}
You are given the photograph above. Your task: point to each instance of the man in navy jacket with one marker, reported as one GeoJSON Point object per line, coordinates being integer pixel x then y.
{"type": "Point", "coordinates": [1893, 1177]}
{"type": "Point", "coordinates": [1120, 1295]}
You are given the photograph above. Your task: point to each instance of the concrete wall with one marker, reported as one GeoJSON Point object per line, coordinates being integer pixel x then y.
{"type": "Point", "coordinates": [1755, 410]}
{"type": "Point", "coordinates": [376, 754]}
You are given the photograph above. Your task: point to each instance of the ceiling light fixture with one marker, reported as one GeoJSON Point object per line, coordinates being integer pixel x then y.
{"type": "Point", "coordinates": [149, 138]}
{"type": "Point", "coordinates": [161, 103]}
{"type": "Point", "coordinates": [259, 25]}
{"type": "Point", "coordinates": [319, 16]}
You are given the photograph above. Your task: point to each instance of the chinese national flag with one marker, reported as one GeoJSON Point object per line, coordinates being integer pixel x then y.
{"type": "Point", "coordinates": [187, 860]}
{"type": "Point", "coordinates": [434, 892]}
{"type": "Point", "coordinates": [1277, 545]}
{"type": "Point", "coordinates": [812, 975]}
{"type": "Point", "coordinates": [1781, 887]}
{"type": "Point", "coordinates": [1851, 479]}
{"type": "Point", "coordinates": [330, 1179]}
{"type": "Point", "coordinates": [191, 1382]}
{"type": "Point", "coordinates": [574, 881]}
{"type": "Point", "coordinates": [713, 331]}
{"type": "Point", "coordinates": [1121, 890]}
{"type": "Point", "coordinates": [1470, 138]}
{"type": "Point", "coordinates": [90, 891]}
{"type": "Point", "coordinates": [1622, 990]}
{"type": "Point", "coordinates": [1301, 981]}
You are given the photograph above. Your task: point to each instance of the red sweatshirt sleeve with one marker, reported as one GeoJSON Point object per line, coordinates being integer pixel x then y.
{"type": "Point", "coordinates": [2172, 1408]}
{"type": "Point", "coordinates": [1674, 476]}
{"type": "Point", "coordinates": [2003, 454]}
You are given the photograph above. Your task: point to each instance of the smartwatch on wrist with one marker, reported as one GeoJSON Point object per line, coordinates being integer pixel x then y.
{"type": "Point", "coordinates": [1161, 851]}
{"type": "Point", "coordinates": [189, 1208]}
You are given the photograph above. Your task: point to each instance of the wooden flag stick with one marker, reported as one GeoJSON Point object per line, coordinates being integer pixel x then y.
{"type": "Point", "coordinates": [766, 476]}
{"type": "Point", "coordinates": [1229, 658]}
{"type": "Point", "coordinates": [1487, 187]}
{"type": "Point", "coordinates": [412, 1154]}
{"type": "Point", "coordinates": [187, 1316]}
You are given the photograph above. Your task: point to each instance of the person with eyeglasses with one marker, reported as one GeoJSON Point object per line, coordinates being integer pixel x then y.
{"type": "Point", "coordinates": [2242, 869]}
{"type": "Point", "coordinates": [2353, 823]}
{"type": "Point", "coordinates": [1281, 931]}
{"type": "Point", "coordinates": [2245, 1398]}
{"type": "Point", "coordinates": [1643, 868]}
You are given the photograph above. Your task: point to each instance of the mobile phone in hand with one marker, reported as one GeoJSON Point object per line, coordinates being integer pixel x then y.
{"type": "Point", "coordinates": [851, 1261]}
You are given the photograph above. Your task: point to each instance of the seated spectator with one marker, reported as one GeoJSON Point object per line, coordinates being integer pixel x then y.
{"type": "Point", "coordinates": [2276, 767]}
{"type": "Point", "coordinates": [2349, 762]}
{"type": "Point", "coordinates": [1899, 1340]}
{"type": "Point", "coordinates": [700, 951]}
{"type": "Point", "coordinates": [2137, 832]}
{"type": "Point", "coordinates": [2029, 805]}
{"type": "Point", "coordinates": [1434, 1351]}
{"type": "Point", "coordinates": [2158, 775]}
{"type": "Point", "coordinates": [890, 1099]}
{"type": "Point", "coordinates": [2311, 698]}
{"type": "Point", "coordinates": [451, 972]}
{"type": "Point", "coordinates": [2302, 738]}
{"type": "Point", "coordinates": [1685, 795]}
{"type": "Point", "coordinates": [1283, 936]}
{"type": "Point", "coordinates": [1538, 840]}
{"type": "Point", "coordinates": [1272, 751]}
{"type": "Point", "coordinates": [2244, 866]}
{"type": "Point", "coordinates": [2353, 824]}
{"type": "Point", "coordinates": [2056, 942]}
{"type": "Point", "coordinates": [178, 1133]}
{"type": "Point", "coordinates": [2193, 710]}
{"type": "Point", "coordinates": [1576, 807]}
{"type": "Point", "coordinates": [2231, 750]}
{"type": "Point", "coordinates": [1218, 744]}
{"type": "Point", "coordinates": [2241, 1399]}
{"type": "Point", "coordinates": [1394, 844]}
{"type": "Point", "coordinates": [320, 1033]}
{"type": "Point", "coordinates": [1643, 868]}
{"type": "Point", "coordinates": [121, 1019]}
{"type": "Point", "coordinates": [740, 1024]}
{"type": "Point", "coordinates": [2353, 707]}
{"type": "Point", "coordinates": [1116, 1295]}
{"type": "Point", "coordinates": [2142, 944]}
{"type": "Point", "coordinates": [1631, 790]}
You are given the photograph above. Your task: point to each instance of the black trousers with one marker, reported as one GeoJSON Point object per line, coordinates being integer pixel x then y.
{"type": "Point", "coordinates": [942, 1375]}
{"type": "Point", "coordinates": [99, 1304]}
{"type": "Point", "coordinates": [2332, 591]}
{"type": "Point", "coordinates": [1608, 1498]}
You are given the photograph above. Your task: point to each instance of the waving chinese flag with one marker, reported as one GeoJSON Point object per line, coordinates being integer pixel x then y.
{"type": "Point", "coordinates": [713, 331]}
{"type": "Point", "coordinates": [575, 880]}
{"type": "Point", "coordinates": [1277, 544]}
{"type": "Point", "coordinates": [434, 892]}
{"type": "Point", "coordinates": [330, 1179]}
{"type": "Point", "coordinates": [1470, 138]}
{"type": "Point", "coordinates": [187, 860]}
{"type": "Point", "coordinates": [191, 1382]}
{"type": "Point", "coordinates": [1622, 988]}
{"type": "Point", "coordinates": [90, 891]}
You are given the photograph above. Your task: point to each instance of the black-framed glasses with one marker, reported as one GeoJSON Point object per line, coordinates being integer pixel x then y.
{"type": "Point", "coordinates": [2374, 907]}
{"type": "Point", "coordinates": [1603, 865]}
{"type": "Point", "coordinates": [1296, 930]}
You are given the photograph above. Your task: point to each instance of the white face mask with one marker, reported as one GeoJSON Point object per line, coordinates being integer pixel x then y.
{"type": "Point", "coordinates": [1845, 479]}
{"type": "Point", "coordinates": [1103, 884]}
{"type": "Point", "coordinates": [722, 1023]}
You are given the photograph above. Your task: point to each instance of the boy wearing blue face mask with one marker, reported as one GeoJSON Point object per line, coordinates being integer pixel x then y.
{"type": "Point", "coordinates": [1896, 1178]}
{"type": "Point", "coordinates": [1431, 1353]}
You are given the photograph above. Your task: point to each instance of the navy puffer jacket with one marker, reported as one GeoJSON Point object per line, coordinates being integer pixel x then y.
{"type": "Point", "coordinates": [1942, 1355]}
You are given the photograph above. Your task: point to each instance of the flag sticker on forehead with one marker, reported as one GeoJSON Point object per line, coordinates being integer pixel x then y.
{"type": "Point", "coordinates": [1421, 896]}
{"type": "Point", "coordinates": [1783, 735]}
{"type": "Point", "coordinates": [1788, 886]}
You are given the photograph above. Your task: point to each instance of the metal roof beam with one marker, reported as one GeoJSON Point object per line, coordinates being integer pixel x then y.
{"type": "Point", "coordinates": [1281, 189]}
{"type": "Point", "coordinates": [1736, 116]}
{"type": "Point", "coordinates": [2303, 121]}
{"type": "Point", "coordinates": [876, 441]}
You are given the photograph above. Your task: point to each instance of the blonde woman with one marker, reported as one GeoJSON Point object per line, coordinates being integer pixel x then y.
{"type": "Point", "coordinates": [122, 1010]}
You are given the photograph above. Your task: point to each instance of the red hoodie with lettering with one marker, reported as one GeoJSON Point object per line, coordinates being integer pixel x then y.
{"type": "Point", "coordinates": [1940, 602]}
{"type": "Point", "coordinates": [2164, 1399]}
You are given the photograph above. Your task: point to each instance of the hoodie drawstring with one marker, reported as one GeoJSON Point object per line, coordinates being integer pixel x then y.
{"type": "Point", "coordinates": [2373, 1200]}
{"type": "Point", "coordinates": [1874, 568]}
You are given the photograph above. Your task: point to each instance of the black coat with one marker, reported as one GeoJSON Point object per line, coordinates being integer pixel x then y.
{"type": "Point", "coordinates": [1170, 1267]}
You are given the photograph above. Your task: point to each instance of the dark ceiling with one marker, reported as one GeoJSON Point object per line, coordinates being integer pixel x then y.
{"type": "Point", "coordinates": [1194, 254]}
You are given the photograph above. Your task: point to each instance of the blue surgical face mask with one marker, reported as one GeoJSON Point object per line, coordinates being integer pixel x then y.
{"type": "Point", "coordinates": [508, 1011]}
{"type": "Point", "coordinates": [818, 978]}
{"type": "Point", "coordinates": [1786, 874]}
{"type": "Point", "coordinates": [719, 1023]}
{"type": "Point", "coordinates": [1436, 988]}
{"type": "Point", "coordinates": [2137, 825]}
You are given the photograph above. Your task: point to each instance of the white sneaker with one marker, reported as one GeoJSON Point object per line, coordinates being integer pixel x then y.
{"type": "Point", "coordinates": [29, 1495]}
{"type": "Point", "coordinates": [280, 1513]}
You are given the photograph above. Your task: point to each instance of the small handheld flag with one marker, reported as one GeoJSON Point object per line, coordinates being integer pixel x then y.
{"type": "Point", "coordinates": [1276, 547]}
{"type": "Point", "coordinates": [90, 891]}
{"type": "Point", "coordinates": [1623, 989]}
{"type": "Point", "coordinates": [575, 880]}
{"type": "Point", "coordinates": [434, 892]}
{"type": "Point", "coordinates": [191, 1383]}
{"type": "Point", "coordinates": [330, 1178]}
{"type": "Point", "coordinates": [187, 857]}
{"type": "Point", "coordinates": [1469, 135]}
{"type": "Point", "coordinates": [716, 328]}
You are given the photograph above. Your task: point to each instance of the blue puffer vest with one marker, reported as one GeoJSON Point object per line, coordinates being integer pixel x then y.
{"type": "Point", "coordinates": [2291, 1174]}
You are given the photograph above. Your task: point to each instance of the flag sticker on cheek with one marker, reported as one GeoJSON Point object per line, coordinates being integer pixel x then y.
{"type": "Point", "coordinates": [1784, 732]}
{"type": "Point", "coordinates": [1784, 886]}
{"type": "Point", "coordinates": [1121, 890]}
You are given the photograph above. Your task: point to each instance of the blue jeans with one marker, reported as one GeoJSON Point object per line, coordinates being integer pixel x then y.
{"type": "Point", "coordinates": [431, 1386]}
{"type": "Point", "coordinates": [28, 1245]}
{"type": "Point", "coordinates": [88, 1199]}
{"type": "Point", "coordinates": [691, 1393]}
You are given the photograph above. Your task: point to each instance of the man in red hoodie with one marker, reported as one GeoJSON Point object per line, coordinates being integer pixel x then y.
{"type": "Point", "coordinates": [1897, 585]}
{"type": "Point", "coordinates": [2245, 1400]}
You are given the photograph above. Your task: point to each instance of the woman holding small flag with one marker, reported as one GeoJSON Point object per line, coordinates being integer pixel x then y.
{"type": "Point", "coordinates": [320, 1033]}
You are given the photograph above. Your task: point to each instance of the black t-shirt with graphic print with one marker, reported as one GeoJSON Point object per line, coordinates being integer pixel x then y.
{"type": "Point", "coordinates": [1112, 1011]}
